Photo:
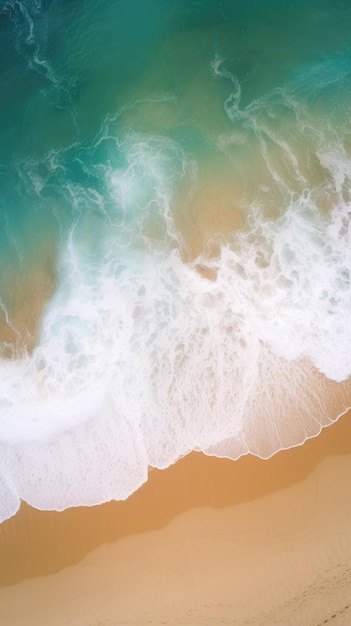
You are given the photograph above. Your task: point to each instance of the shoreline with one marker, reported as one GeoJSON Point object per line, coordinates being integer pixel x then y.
{"type": "Point", "coordinates": [253, 539]}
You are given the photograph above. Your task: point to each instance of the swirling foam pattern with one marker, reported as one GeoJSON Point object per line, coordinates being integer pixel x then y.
{"type": "Point", "coordinates": [176, 245]}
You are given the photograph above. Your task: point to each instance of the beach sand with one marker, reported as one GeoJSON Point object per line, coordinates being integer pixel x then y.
{"type": "Point", "coordinates": [208, 541]}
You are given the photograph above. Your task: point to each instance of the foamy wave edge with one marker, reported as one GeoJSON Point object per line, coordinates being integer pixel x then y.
{"type": "Point", "coordinates": [142, 360]}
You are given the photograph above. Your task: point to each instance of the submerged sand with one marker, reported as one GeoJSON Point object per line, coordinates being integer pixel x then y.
{"type": "Point", "coordinates": [208, 541]}
{"type": "Point", "coordinates": [26, 292]}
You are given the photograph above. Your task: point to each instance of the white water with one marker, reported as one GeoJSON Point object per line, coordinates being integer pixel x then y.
{"type": "Point", "coordinates": [141, 359]}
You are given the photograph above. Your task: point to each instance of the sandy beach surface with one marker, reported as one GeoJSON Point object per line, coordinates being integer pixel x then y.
{"type": "Point", "coordinates": [207, 541]}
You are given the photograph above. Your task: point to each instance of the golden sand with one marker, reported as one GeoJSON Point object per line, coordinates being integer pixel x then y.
{"type": "Point", "coordinates": [207, 541]}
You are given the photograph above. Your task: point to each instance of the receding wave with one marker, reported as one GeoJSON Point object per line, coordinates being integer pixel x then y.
{"type": "Point", "coordinates": [196, 293]}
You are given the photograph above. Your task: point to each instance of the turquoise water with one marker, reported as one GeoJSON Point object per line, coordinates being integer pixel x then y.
{"type": "Point", "coordinates": [174, 237]}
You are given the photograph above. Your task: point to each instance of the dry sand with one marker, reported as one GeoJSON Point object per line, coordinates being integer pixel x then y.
{"type": "Point", "coordinates": [207, 541]}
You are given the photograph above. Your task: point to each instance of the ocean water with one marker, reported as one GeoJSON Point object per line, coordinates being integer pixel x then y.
{"type": "Point", "coordinates": [175, 242]}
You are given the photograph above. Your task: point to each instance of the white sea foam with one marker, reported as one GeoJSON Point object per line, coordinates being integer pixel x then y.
{"type": "Point", "coordinates": [141, 359]}
{"type": "Point", "coordinates": [231, 104]}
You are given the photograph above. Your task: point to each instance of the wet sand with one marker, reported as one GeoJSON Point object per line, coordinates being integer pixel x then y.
{"type": "Point", "coordinates": [207, 541]}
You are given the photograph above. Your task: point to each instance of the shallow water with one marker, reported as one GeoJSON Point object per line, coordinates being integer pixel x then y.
{"type": "Point", "coordinates": [175, 241]}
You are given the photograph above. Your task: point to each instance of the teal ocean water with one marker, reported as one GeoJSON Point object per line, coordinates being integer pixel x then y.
{"type": "Point", "coordinates": [175, 243]}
